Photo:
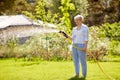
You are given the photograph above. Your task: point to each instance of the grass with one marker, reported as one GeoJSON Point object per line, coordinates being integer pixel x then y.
{"type": "Point", "coordinates": [49, 70]}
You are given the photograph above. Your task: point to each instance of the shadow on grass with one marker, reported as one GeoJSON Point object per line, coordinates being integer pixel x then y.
{"type": "Point", "coordinates": [76, 78]}
{"type": "Point", "coordinates": [117, 79]}
{"type": "Point", "coordinates": [29, 63]}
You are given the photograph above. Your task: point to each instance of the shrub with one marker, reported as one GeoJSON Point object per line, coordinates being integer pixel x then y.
{"type": "Point", "coordinates": [7, 49]}
{"type": "Point", "coordinates": [104, 40]}
{"type": "Point", "coordinates": [49, 47]}
{"type": "Point", "coordinates": [53, 46]}
{"type": "Point", "coordinates": [98, 45]}
{"type": "Point", "coordinates": [114, 47]}
{"type": "Point", "coordinates": [112, 31]}
{"type": "Point", "coordinates": [42, 46]}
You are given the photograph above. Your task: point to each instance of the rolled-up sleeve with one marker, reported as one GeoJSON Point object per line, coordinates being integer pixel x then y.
{"type": "Point", "coordinates": [86, 34]}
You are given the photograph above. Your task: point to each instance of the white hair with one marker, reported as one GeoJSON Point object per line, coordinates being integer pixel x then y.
{"type": "Point", "coordinates": [79, 17]}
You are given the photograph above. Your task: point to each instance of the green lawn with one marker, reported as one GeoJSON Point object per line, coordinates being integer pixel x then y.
{"type": "Point", "coordinates": [49, 70]}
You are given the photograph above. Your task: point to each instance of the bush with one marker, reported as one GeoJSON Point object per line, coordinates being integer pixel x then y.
{"type": "Point", "coordinates": [54, 46]}
{"type": "Point", "coordinates": [112, 31]}
{"type": "Point", "coordinates": [114, 47]}
{"type": "Point", "coordinates": [104, 40]}
{"type": "Point", "coordinates": [7, 49]}
{"type": "Point", "coordinates": [50, 46]}
{"type": "Point", "coordinates": [98, 45]}
{"type": "Point", "coordinates": [43, 46]}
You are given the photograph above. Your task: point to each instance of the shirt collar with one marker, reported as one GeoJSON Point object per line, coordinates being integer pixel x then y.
{"type": "Point", "coordinates": [81, 26]}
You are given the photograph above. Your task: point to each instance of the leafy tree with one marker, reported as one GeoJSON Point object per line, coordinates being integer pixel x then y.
{"type": "Point", "coordinates": [6, 6]}
{"type": "Point", "coordinates": [10, 7]}
{"type": "Point", "coordinates": [81, 7]}
{"type": "Point", "coordinates": [43, 12]}
{"type": "Point", "coordinates": [102, 11]}
{"type": "Point", "coordinates": [55, 5]}
{"type": "Point", "coordinates": [23, 5]}
{"type": "Point", "coordinates": [66, 7]}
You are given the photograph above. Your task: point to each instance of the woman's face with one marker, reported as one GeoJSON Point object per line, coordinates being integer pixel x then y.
{"type": "Point", "coordinates": [78, 22]}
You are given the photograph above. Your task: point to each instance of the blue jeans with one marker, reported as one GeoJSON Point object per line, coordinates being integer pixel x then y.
{"type": "Point", "coordinates": [79, 57]}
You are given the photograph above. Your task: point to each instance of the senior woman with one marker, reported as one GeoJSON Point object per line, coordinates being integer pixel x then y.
{"type": "Point", "coordinates": [80, 41]}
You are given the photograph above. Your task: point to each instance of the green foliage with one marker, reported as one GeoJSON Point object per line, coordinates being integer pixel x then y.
{"type": "Point", "coordinates": [114, 47]}
{"type": "Point", "coordinates": [43, 13]}
{"type": "Point", "coordinates": [105, 37]}
{"type": "Point", "coordinates": [112, 30]}
{"type": "Point", "coordinates": [10, 7]}
{"type": "Point", "coordinates": [98, 46]}
{"type": "Point", "coordinates": [7, 49]}
{"type": "Point", "coordinates": [40, 10]}
{"type": "Point", "coordinates": [49, 47]}
{"type": "Point", "coordinates": [81, 7]}
{"type": "Point", "coordinates": [55, 6]}
{"type": "Point", "coordinates": [30, 15]}
{"type": "Point", "coordinates": [66, 7]}
{"type": "Point", "coordinates": [22, 5]}
{"type": "Point", "coordinates": [42, 46]}
{"type": "Point", "coordinates": [11, 43]}
{"type": "Point", "coordinates": [6, 6]}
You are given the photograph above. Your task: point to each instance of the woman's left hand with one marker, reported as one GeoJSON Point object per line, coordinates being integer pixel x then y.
{"type": "Point", "coordinates": [84, 49]}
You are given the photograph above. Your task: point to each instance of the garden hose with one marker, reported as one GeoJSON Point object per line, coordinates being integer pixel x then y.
{"type": "Point", "coordinates": [109, 77]}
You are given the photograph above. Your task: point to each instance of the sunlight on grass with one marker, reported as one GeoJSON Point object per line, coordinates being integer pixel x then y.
{"type": "Point", "coordinates": [45, 70]}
